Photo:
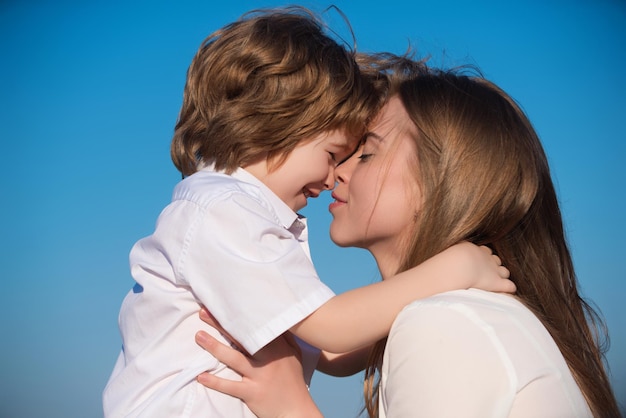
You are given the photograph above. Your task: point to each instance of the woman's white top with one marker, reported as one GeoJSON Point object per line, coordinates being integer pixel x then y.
{"type": "Point", "coordinates": [226, 242]}
{"type": "Point", "coordinates": [471, 353]}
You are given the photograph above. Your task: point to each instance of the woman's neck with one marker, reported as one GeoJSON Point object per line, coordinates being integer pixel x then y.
{"type": "Point", "coordinates": [387, 266]}
{"type": "Point", "coordinates": [389, 255]}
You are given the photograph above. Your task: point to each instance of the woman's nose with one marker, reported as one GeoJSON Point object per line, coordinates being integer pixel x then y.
{"type": "Point", "coordinates": [344, 170]}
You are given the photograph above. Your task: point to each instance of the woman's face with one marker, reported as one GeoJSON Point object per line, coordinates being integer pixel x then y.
{"type": "Point", "coordinates": [377, 197]}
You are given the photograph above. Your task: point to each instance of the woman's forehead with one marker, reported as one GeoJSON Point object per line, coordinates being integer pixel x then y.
{"type": "Point", "coordinates": [392, 117]}
{"type": "Point", "coordinates": [392, 110]}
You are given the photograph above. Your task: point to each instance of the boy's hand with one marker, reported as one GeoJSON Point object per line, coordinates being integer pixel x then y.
{"type": "Point", "coordinates": [479, 266]}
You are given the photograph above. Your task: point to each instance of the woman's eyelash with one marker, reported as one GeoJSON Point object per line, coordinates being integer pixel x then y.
{"type": "Point", "coordinates": [365, 157]}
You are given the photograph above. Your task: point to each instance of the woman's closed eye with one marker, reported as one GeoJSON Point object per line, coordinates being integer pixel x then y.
{"type": "Point", "coordinates": [371, 142]}
{"type": "Point", "coordinates": [364, 157]}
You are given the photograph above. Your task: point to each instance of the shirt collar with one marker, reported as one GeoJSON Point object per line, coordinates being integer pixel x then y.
{"type": "Point", "coordinates": [286, 215]}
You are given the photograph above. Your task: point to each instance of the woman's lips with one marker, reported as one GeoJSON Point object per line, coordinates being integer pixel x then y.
{"type": "Point", "coordinates": [337, 202]}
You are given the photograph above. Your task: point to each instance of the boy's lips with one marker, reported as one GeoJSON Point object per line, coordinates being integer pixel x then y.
{"type": "Point", "coordinates": [308, 193]}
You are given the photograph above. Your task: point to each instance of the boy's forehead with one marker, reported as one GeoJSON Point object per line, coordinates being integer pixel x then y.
{"type": "Point", "coordinates": [344, 139]}
{"type": "Point", "coordinates": [347, 146]}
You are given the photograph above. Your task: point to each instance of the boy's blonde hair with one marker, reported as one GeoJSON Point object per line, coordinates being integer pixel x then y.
{"type": "Point", "coordinates": [259, 86]}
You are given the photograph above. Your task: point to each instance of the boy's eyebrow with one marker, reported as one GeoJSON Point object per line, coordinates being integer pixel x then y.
{"type": "Point", "coordinates": [339, 144]}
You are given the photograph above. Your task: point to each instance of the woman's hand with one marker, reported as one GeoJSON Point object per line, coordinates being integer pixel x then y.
{"type": "Point", "coordinates": [272, 383]}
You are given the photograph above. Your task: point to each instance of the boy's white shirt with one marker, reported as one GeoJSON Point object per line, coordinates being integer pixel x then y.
{"type": "Point", "coordinates": [225, 242]}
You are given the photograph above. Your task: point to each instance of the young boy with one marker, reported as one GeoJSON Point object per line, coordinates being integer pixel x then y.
{"type": "Point", "coordinates": [271, 104]}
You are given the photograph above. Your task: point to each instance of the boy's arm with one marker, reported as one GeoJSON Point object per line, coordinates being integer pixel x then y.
{"type": "Point", "coordinates": [338, 365]}
{"type": "Point", "coordinates": [342, 365]}
{"type": "Point", "coordinates": [362, 316]}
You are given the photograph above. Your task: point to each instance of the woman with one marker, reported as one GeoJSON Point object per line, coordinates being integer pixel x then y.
{"type": "Point", "coordinates": [454, 158]}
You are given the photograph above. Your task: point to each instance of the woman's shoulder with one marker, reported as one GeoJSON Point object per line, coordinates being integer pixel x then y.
{"type": "Point", "coordinates": [495, 319]}
{"type": "Point", "coordinates": [476, 318]}
{"type": "Point", "coordinates": [462, 300]}
{"type": "Point", "coordinates": [496, 311]}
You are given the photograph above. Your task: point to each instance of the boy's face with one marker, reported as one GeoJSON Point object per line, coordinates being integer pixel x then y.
{"type": "Point", "coordinates": [307, 171]}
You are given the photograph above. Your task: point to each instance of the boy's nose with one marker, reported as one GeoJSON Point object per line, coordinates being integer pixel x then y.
{"type": "Point", "coordinates": [329, 183]}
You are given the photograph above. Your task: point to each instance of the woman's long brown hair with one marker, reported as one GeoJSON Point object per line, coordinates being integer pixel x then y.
{"type": "Point", "coordinates": [485, 178]}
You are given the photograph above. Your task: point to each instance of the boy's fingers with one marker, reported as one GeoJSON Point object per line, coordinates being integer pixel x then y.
{"type": "Point", "coordinates": [486, 249]}
{"type": "Point", "coordinates": [504, 272]}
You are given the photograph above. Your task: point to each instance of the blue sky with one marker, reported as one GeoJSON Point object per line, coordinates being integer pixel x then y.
{"type": "Point", "coordinates": [90, 95]}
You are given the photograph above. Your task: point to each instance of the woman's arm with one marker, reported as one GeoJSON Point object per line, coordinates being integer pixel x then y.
{"type": "Point", "coordinates": [272, 384]}
{"type": "Point", "coordinates": [362, 316]}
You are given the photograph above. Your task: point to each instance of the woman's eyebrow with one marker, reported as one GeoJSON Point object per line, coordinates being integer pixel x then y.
{"type": "Point", "coordinates": [354, 151]}
{"type": "Point", "coordinates": [373, 135]}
